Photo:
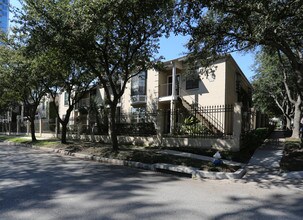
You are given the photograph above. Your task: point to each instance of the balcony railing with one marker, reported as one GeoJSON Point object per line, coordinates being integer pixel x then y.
{"type": "Point", "coordinates": [138, 99]}
{"type": "Point", "coordinates": [166, 90]}
{"type": "Point", "coordinates": [85, 102]}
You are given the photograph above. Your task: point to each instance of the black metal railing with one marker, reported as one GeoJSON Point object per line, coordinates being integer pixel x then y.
{"type": "Point", "coordinates": [209, 122]}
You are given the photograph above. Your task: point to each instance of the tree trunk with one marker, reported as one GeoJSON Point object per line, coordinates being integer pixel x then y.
{"type": "Point", "coordinates": [288, 123]}
{"type": "Point", "coordinates": [33, 132]}
{"type": "Point", "coordinates": [297, 116]}
{"type": "Point", "coordinates": [63, 133]}
{"type": "Point", "coordinates": [112, 128]}
{"type": "Point", "coordinates": [64, 124]}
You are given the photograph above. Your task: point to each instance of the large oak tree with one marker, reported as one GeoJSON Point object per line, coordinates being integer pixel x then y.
{"type": "Point", "coordinates": [21, 81]}
{"type": "Point", "coordinates": [275, 89]}
{"type": "Point", "coordinates": [116, 40]}
{"type": "Point", "coordinates": [218, 27]}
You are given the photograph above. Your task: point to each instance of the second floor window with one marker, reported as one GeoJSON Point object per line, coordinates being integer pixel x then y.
{"type": "Point", "coordinates": [65, 98]}
{"type": "Point", "coordinates": [138, 84]}
{"type": "Point", "coordinates": [192, 83]}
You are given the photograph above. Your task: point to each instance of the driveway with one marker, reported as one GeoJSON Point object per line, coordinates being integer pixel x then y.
{"type": "Point", "coordinates": [39, 185]}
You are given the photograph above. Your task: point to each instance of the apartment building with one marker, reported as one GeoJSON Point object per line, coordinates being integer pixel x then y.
{"type": "Point", "coordinates": [177, 92]}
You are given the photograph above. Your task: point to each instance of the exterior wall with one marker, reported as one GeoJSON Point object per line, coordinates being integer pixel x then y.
{"type": "Point", "coordinates": [234, 73]}
{"type": "Point", "coordinates": [152, 90]}
{"type": "Point", "coordinates": [210, 92]}
{"type": "Point", "coordinates": [126, 99]}
{"type": "Point", "coordinates": [230, 87]}
{"type": "Point", "coordinates": [62, 108]}
{"type": "Point", "coordinates": [219, 144]}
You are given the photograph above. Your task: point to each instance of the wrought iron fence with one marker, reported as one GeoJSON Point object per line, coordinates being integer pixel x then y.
{"type": "Point", "coordinates": [137, 124]}
{"type": "Point", "coordinates": [132, 124]}
{"type": "Point", "coordinates": [206, 122]}
{"type": "Point", "coordinates": [88, 127]}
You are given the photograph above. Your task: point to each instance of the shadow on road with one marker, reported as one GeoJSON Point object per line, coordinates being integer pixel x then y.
{"type": "Point", "coordinates": [34, 180]}
{"type": "Point", "coordinates": [273, 207]}
{"type": "Point", "coordinates": [39, 185]}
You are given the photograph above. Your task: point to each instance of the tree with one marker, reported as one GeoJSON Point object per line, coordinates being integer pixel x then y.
{"type": "Point", "coordinates": [6, 95]}
{"type": "Point", "coordinates": [116, 40]}
{"type": "Point", "coordinates": [62, 75]}
{"type": "Point", "coordinates": [22, 81]}
{"type": "Point", "coordinates": [270, 94]}
{"type": "Point", "coordinates": [219, 27]}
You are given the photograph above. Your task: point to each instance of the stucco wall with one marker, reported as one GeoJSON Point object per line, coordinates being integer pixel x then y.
{"type": "Point", "coordinates": [152, 87]}
{"type": "Point", "coordinates": [126, 99]}
{"type": "Point", "coordinates": [231, 95]}
{"type": "Point", "coordinates": [210, 92]}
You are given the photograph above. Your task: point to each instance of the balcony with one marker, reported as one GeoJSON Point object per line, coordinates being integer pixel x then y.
{"type": "Point", "coordinates": [85, 102]}
{"type": "Point", "coordinates": [138, 99]}
{"type": "Point", "coordinates": [165, 92]}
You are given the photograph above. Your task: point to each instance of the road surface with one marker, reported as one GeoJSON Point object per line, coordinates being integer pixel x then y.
{"type": "Point", "coordinates": [39, 185]}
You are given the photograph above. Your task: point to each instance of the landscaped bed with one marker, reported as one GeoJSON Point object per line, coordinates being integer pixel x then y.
{"type": "Point", "coordinates": [292, 159]}
{"type": "Point", "coordinates": [130, 153]}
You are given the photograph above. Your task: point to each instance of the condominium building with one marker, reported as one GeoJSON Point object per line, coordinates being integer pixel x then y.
{"type": "Point", "coordinates": [178, 93]}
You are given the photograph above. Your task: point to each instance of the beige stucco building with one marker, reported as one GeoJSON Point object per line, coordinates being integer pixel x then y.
{"type": "Point", "coordinates": [177, 88]}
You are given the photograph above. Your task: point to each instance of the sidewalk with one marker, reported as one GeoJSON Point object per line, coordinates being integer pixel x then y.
{"type": "Point", "coordinates": [264, 165]}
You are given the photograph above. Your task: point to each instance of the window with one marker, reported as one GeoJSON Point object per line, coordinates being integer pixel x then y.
{"type": "Point", "coordinates": [138, 84]}
{"type": "Point", "coordinates": [192, 83]}
{"type": "Point", "coordinates": [65, 98]}
{"type": "Point", "coordinates": [138, 114]}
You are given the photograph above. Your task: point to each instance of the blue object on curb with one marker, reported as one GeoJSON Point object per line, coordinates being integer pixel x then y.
{"type": "Point", "coordinates": [217, 162]}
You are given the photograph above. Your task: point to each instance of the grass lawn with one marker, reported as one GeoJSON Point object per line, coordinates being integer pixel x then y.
{"type": "Point", "coordinates": [27, 140]}
{"type": "Point", "coordinates": [132, 153]}
{"type": "Point", "coordinates": [292, 159]}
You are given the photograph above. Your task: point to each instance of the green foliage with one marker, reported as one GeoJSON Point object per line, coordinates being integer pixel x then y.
{"type": "Point", "coordinates": [255, 138]}
{"type": "Point", "coordinates": [191, 125]}
{"type": "Point", "coordinates": [292, 159]}
{"type": "Point", "coordinates": [15, 139]}
{"type": "Point", "coordinates": [137, 129]}
{"type": "Point", "coordinates": [115, 40]}
{"type": "Point", "coordinates": [9, 96]}
{"type": "Point", "coordinates": [270, 95]}
{"type": "Point", "coordinates": [219, 27]}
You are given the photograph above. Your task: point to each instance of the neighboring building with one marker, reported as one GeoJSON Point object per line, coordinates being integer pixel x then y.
{"type": "Point", "coordinates": [4, 13]}
{"type": "Point", "coordinates": [178, 95]}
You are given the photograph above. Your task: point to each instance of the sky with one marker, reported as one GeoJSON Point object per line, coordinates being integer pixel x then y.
{"type": "Point", "coordinates": [174, 47]}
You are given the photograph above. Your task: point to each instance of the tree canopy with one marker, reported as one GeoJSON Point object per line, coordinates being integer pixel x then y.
{"type": "Point", "coordinates": [21, 80]}
{"type": "Point", "coordinates": [270, 94]}
{"type": "Point", "coordinates": [219, 27]}
{"type": "Point", "coordinates": [116, 40]}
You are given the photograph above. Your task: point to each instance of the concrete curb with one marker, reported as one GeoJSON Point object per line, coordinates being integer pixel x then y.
{"type": "Point", "coordinates": [194, 172]}
{"type": "Point", "coordinates": [198, 174]}
{"type": "Point", "coordinates": [199, 157]}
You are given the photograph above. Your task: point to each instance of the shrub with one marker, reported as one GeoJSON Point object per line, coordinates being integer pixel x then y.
{"type": "Point", "coordinates": [255, 137]}
{"type": "Point", "coordinates": [140, 129]}
{"type": "Point", "coordinates": [292, 159]}
{"type": "Point", "coordinates": [191, 125]}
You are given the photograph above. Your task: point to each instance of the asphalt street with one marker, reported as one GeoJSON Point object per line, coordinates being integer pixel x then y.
{"type": "Point", "coordinates": [39, 185]}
